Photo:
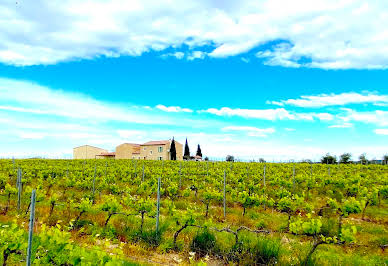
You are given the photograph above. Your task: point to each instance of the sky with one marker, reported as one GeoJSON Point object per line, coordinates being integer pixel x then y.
{"type": "Point", "coordinates": [279, 80]}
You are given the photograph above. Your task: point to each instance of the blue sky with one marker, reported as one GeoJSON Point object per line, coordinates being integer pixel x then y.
{"type": "Point", "coordinates": [266, 79]}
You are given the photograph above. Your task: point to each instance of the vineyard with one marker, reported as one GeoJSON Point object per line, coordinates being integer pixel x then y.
{"type": "Point", "coordinates": [128, 212]}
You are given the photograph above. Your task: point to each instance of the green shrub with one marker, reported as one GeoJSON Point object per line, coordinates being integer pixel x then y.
{"type": "Point", "coordinates": [329, 227]}
{"type": "Point", "coordinates": [150, 237]}
{"type": "Point", "coordinates": [203, 243]}
{"type": "Point", "coordinates": [256, 250]}
{"type": "Point", "coordinates": [168, 245]}
{"type": "Point", "coordinates": [266, 251]}
{"type": "Point", "coordinates": [261, 224]}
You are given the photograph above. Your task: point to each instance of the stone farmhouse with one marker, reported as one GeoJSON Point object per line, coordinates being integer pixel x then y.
{"type": "Point", "coordinates": [152, 150]}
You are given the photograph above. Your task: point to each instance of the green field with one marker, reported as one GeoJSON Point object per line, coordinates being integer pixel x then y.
{"type": "Point", "coordinates": [97, 212]}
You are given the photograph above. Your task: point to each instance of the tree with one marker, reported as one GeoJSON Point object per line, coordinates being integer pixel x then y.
{"type": "Point", "coordinates": [186, 155]}
{"type": "Point", "coordinates": [261, 160]}
{"type": "Point", "coordinates": [385, 159]}
{"type": "Point", "coordinates": [199, 152]}
{"type": "Point", "coordinates": [173, 150]}
{"type": "Point", "coordinates": [329, 159]}
{"type": "Point", "coordinates": [345, 158]}
{"type": "Point", "coordinates": [363, 159]}
{"type": "Point", "coordinates": [230, 158]}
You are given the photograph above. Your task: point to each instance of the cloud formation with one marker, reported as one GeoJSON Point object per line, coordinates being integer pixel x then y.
{"type": "Point", "coordinates": [173, 109]}
{"type": "Point", "coordinates": [378, 117]}
{"type": "Point", "coordinates": [381, 131]}
{"type": "Point", "coordinates": [251, 131]}
{"type": "Point", "coordinates": [327, 34]}
{"type": "Point", "coordinates": [268, 114]}
{"type": "Point", "coordinates": [27, 97]}
{"type": "Point", "coordinates": [324, 100]}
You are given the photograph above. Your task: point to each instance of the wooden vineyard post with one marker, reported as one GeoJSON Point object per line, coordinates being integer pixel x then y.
{"type": "Point", "coordinates": [94, 182]}
{"type": "Point", "coordinates": [328, 171]}
{"type": "Point", "coordinates": [142, 174]}
{"type": "Point", "coordinates": [158, 207]}
{"type": "Point", "coordinates": [135, 169]}
{"type": "Point", "coordinates": [19, 187]}
{"type": "Point", "coordinates": [264, 172]}
{"type": "Point", "coordinates": [31, 227]}
{"type": "Point", "coordinates": [293, 178]}
{"type": "Point", "coordinates": [83, 168]}
{"type": "Point", "coordinates": [180, 175]}
{"type": "Point", "coordinates": [311, 170]}
{"type": "Point", "coordinates": [13, 163]}
{"type": "Point", "coordinates": [106, 168]}
{"type": "Point", "coordinates": [224, 194]}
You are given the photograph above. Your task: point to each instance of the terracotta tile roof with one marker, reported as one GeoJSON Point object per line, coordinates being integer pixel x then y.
{"type": "Point", "coordinates": [134, 144]}
{"type": "Point", "coordinates": [157, 142]}
{"type": "Point", "coordinates": [107, 154]}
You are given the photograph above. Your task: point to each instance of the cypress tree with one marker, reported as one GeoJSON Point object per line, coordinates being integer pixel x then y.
{"type": "Point", "coordinates": [199, 152]}
{"type": "Point", "coordinates": [187, 151]}
{"type": "Point", "coordinates": [173, 150]}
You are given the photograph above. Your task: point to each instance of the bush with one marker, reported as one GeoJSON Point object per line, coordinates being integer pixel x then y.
{"type": "Point", "coordinates": [267, 250]}
{"type": "Point", "coordinates": [229, 158]}
{"type": "Point", "coordinates": [168, 245]}
{"type": "Point", "coordinates": [329, 227]}
{"type": "Point", "coordinates": [264, 251]}
{"type": "Point", "coordinates": [151, 237]}
{"type": "Point", "coordinates": [261, 224]}
{"type": "Point", "coordinates": [203, 243]}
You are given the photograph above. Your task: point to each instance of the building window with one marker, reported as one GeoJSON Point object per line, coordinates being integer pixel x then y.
{"type": "Point", "coordinates": [151, 152]}
{"type": "Point", "coordinates": [160, 149]}
{"type": "Point", "coordinates": [160, 158]}
{"type": "Point", "coordinates": [144, 148]}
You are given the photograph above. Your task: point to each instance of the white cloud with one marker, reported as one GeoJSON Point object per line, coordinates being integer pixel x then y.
{"type": "Point", "coordinates": [344, 125]}
{"type": "Point", "coordinates": [381, 131]}
{"type": "Point", "coordinates": [177, 55]}
{"type": "Point", "coordinates": [251, 131]}
{"type": "Point", "coordinates": [323, 33]}
{"type": "Point", "coordinates": [323, 100]}
{"type": "Point", "coordinates": [27, 97]}
{"type": "Point", "coordinates": [130, 134]}
{"type": "Point", "coordinates": [196, 55]}
{"type": "Point", "coordinates": [32, 135]}
{"type": "Point", "coordinates": [281, 55]}
{"type": "Point", "coordinates": [267, 114]}
{"type": "Point", "coordinates": [290, 129]}
{"type": "Point", "coordinates": [173, 109]}
{"type": "Point", "coordinates": [324, 116]}
{"type": "Point", "coordinates": [377, 117]}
